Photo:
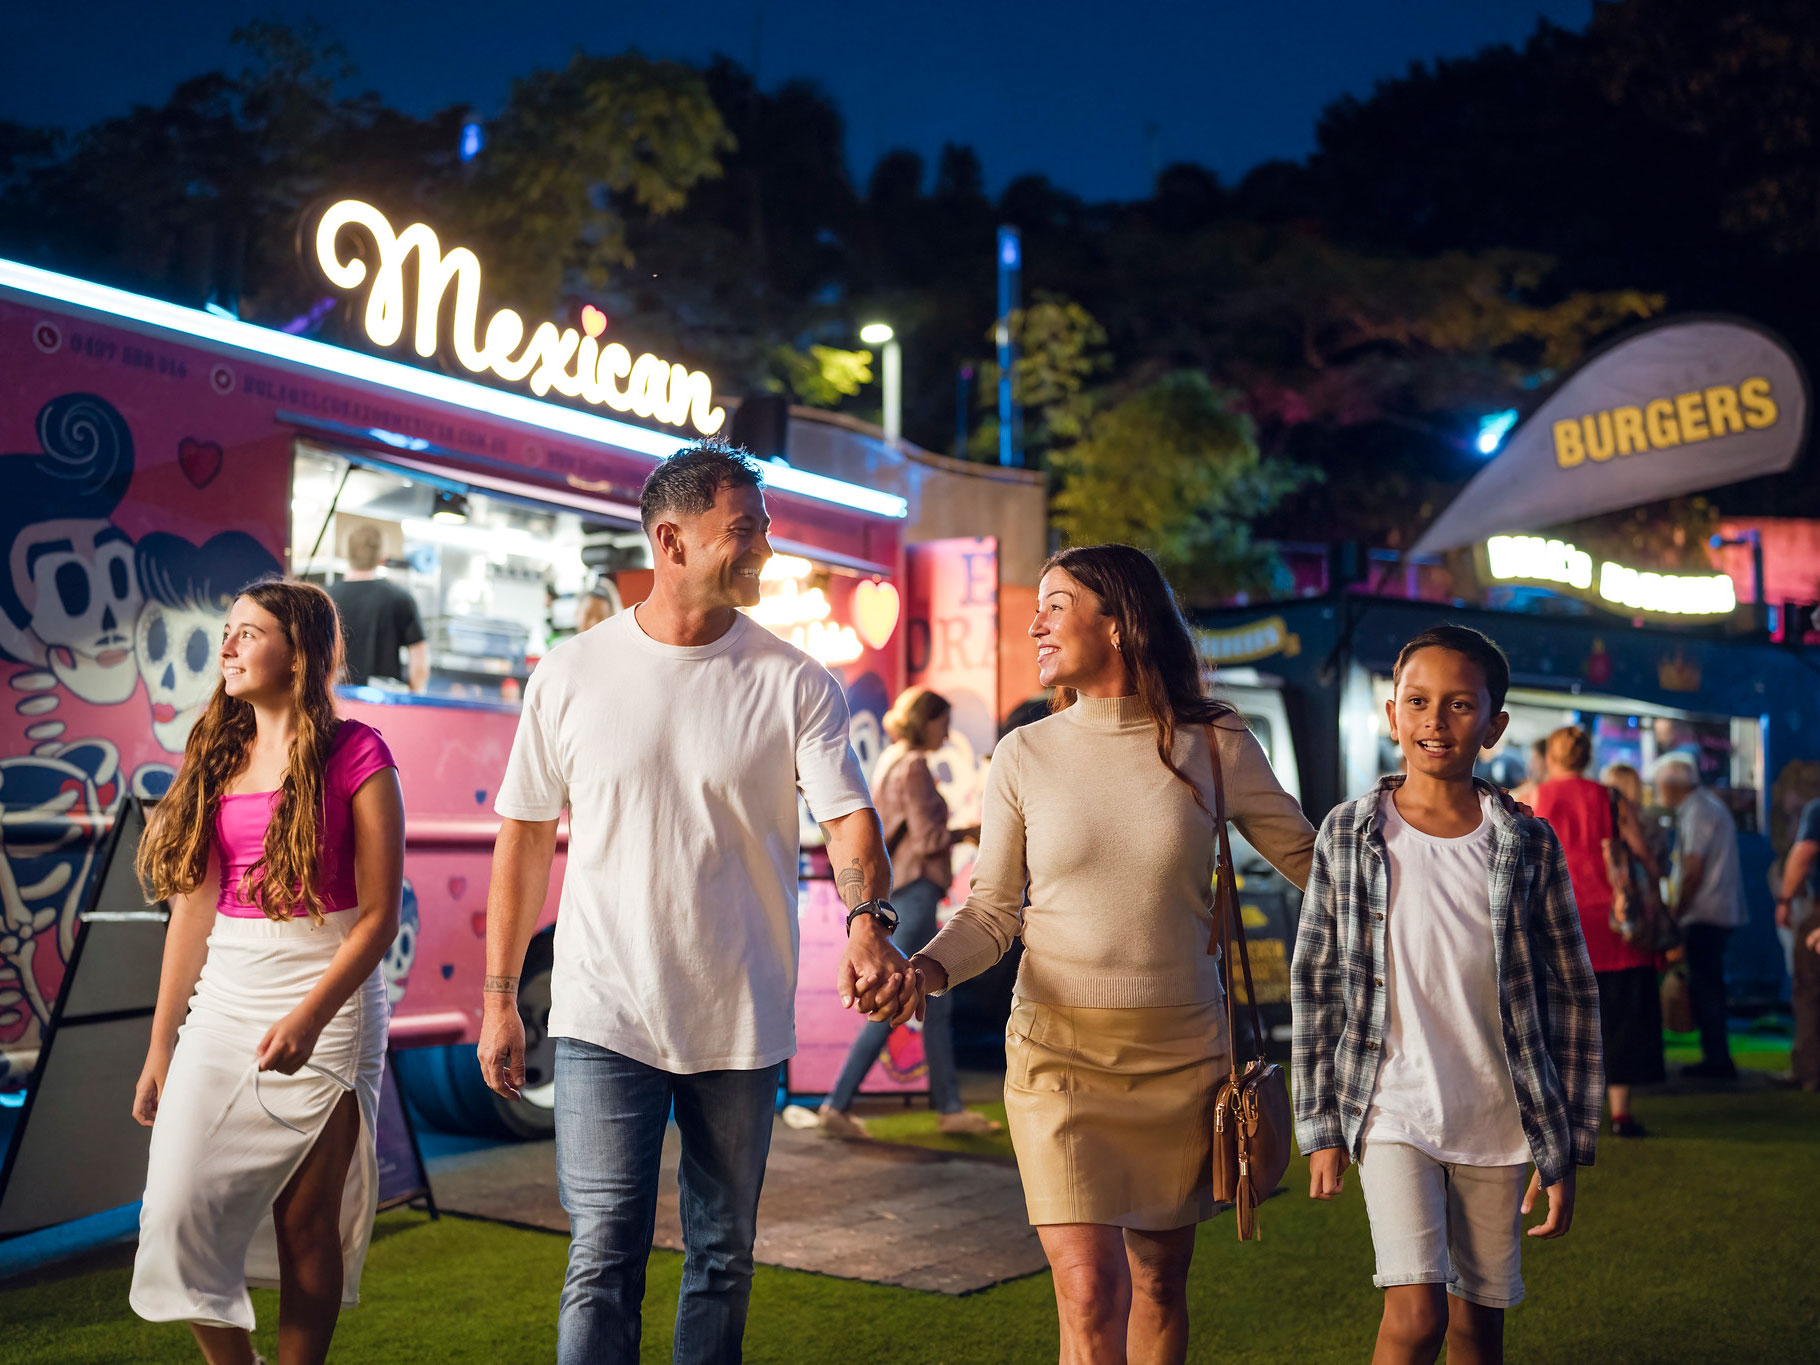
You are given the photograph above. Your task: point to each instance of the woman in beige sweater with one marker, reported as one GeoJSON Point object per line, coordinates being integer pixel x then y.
{"type": "Point", "coordinates": [1117, 1037]}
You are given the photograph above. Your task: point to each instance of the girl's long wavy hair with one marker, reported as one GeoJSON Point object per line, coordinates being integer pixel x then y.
{"type": "Point", "coordinates": [174, 854]}
{"type": "Point", "coordinates": [1154, 642]}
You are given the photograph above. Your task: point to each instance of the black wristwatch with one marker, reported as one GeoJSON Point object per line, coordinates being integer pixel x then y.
{"type": "Point", "coordinates": [881, 910]}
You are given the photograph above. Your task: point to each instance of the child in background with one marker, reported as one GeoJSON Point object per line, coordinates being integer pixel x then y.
{"type": "Point", "coordinates": [1446, 1016]}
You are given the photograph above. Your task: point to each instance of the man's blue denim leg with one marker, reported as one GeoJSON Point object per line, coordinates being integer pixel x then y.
{"type": "Point", "coordinates": [724, 1120]}
{"type": "Point", "coordinates": [610, 1117]}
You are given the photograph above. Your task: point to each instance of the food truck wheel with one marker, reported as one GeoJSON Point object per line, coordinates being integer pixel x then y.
{"type": "Point", "coordinates": [445, 1086]}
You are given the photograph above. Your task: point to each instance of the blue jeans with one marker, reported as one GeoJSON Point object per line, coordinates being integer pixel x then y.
{"type": "Point", "coordinates": [915, 906]}
{"type": "Point", "coordinates": [611, 1113]}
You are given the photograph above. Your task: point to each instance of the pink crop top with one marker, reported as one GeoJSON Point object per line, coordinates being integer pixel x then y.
{"type": "Point", "coordinates": [355, 754]}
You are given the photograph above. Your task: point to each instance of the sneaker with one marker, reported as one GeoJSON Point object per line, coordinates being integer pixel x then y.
{"type": "Point", "coordinates": [800, 1116]}
{"type": "Point", "coordinates": [1710, 1071]}
{"type": "Point", "coordinates": [1628, 1128]}
{"type": "Point", "coordinates": [966, 1121]}
{"type": "Point", "coordinates": [837, 1123]}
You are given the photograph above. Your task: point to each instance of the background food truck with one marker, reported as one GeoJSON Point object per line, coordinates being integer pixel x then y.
{"type": "Point", "coordinates": [155, 459]}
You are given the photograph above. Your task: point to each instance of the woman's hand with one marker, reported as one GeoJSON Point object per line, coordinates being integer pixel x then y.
{"type": "Point", "coordinates": [931, 975]}
{"type": "Point", "coordinates": [151, 1085]}
{"type": "Point", "coordinates": [287, 1045]}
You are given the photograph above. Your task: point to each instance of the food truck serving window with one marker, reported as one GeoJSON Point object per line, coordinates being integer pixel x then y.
{"type": "Point", "coordinates": [495, 578]}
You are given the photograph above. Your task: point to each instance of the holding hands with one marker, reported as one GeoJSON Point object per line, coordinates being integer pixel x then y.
{"type": "Point", "coordinates": [876, 979]}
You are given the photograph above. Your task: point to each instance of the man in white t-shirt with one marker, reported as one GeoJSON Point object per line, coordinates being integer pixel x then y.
{"type": "Point", "coordinates": [679, 735]}
{"type": "Point", "coordinates": [1709, 903]}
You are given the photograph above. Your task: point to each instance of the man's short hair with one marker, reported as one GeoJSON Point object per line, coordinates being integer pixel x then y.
{"type": "Point", "coordinates": [1676, 768]}
{"type": "Point", "coordinates": [1481, 649]}
{"type": "Point", "coordinates": [366, 548]}
{"type": "Point", "coordinates": [688, 482]}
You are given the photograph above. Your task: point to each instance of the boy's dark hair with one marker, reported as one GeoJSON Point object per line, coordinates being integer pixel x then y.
{"type": "Point", "coordinates": [690, 480]}
{"type": "Point", "coordinates": [1481, 649]}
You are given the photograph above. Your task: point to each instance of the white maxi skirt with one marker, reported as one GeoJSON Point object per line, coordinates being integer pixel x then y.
{"type": "Point", "coordinates": [228, 1138]}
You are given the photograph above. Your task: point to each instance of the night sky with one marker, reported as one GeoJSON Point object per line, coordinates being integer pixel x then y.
{"type": "Point", "coordinates": [1062, 87]}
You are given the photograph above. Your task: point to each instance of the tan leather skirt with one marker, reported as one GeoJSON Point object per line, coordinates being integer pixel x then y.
{"type": "Point", "coordinates": [1109, 1111]}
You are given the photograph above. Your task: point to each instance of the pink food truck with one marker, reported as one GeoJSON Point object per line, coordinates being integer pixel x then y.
{"type": "Point", "coordinates": [156, 458]}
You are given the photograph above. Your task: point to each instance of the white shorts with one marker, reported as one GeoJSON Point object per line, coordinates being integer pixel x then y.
{"type": "Point", "coordinates": [1433, 1222]}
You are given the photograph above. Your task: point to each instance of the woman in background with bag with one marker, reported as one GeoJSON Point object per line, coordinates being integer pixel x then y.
{"type": "Point", "coordinates": [1610, 866]}
{"type": "Point", "coordinates": [1118, 1041]}
{"type": "Point", "coordinates": [914, 817]}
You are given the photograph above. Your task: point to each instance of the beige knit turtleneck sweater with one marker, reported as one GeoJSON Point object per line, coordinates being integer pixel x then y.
{"type": "Point", "coordinates": [1117, 856]}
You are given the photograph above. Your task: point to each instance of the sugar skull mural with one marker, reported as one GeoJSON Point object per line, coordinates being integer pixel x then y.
{"type": "Point", "coordinates": [51, 806]}
{"type": "Point", "coordinates": [188, 590]}
{"type": "Point", "coordinates": [395, 966]}
{"type": "Point", "coordinates": [68, 593]}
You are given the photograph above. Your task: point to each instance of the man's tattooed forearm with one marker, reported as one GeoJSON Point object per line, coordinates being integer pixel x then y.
{"type": "Point", "coordinates": [500, 985]}
{"type": "Point", "coordinates": [851, 883]}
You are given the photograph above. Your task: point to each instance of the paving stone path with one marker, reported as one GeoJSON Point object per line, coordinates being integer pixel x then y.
{"type": "Point", "coordinates": [875, 1211]}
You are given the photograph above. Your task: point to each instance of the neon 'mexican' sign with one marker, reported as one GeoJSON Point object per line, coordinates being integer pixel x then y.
{"type": "Point", "coordinates": [571, 362]}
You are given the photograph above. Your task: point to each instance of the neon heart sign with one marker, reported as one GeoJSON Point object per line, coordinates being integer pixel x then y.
{"type": "Point", "coordinates": [875, 610]}
{"type": "Point", "coordinates": [564, 359]}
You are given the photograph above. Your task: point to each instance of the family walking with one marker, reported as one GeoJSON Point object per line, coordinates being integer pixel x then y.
{"type": "Point", "coordinates": [1447, 1028]}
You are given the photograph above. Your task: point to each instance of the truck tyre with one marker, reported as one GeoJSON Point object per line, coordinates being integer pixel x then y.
{"type": "Point", "coordinates": [445, 1086]}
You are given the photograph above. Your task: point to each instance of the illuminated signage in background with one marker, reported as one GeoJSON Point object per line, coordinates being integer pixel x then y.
{"type": "Point", "coordinates": [570, 361]}
{"type": "Point", "coordinates": [792, 610]}
{"type": "Point", "coordinates": [1663, 423]}
{"type": "Point", "coordinates": [1538, 560]}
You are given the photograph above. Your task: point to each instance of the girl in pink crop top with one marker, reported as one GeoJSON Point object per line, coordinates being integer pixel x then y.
{"type": "Point", "coordinates": [268, 1042]}
{"type": "Point", "coordinates": [355, 754]}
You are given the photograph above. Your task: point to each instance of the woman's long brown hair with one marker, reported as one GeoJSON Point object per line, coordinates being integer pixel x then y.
{"type": "Point", "coordinates": [174, 854]}
{"type": "Point", "coordinates": [1154, 642]}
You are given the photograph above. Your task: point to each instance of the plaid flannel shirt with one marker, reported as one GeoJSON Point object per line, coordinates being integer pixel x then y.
{"type": "Point", "coordinates": [1547, 997]}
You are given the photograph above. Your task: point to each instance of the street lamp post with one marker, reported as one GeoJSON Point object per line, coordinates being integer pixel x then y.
{"type": "Point", "coordinates": [892, 366]}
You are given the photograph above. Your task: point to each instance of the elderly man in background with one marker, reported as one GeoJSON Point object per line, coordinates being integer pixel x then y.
{"type": "Point", "coordinates": [1708, 903]}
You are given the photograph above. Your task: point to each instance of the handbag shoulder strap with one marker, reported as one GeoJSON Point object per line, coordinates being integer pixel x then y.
{"type": "Point", "coordinates": [1228, 922]}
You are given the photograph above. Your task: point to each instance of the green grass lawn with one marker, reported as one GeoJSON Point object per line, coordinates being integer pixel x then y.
{"type": "Point", "coordinates": [1694, 1245]}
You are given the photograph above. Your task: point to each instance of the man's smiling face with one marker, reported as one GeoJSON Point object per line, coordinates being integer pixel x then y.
{"type": "Point", "coordinates": [726, 547]}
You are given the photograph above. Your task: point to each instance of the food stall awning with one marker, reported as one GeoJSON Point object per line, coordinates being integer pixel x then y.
{"type": "Point", "coordinates": [572, 496]}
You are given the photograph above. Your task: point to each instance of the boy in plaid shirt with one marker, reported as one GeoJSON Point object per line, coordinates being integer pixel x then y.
{"type": "Point", "coordinates": [1446, 1016]}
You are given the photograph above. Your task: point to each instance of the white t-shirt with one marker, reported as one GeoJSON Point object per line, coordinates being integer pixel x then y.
{"type": "Point", "coordinates": [1704, 828]}
{"type": "Point", "coordinates": [1444, 1086]}
{"type": "Point", "coordinates": [676, 939]}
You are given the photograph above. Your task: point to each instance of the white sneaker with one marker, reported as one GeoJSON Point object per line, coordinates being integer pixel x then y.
{"type": "Point", "coordinates": [800, 1116]}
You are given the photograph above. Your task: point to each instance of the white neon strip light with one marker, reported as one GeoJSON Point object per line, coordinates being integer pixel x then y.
{"type": "Point", "coordinates": [302, 353]}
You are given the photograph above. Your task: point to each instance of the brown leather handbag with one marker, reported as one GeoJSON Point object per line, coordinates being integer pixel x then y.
{"type": "Point", "coordinates": [1251, 1117]}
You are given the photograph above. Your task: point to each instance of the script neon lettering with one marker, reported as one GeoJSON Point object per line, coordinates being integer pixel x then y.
{"type": "Point", "coordinates": [553, 358]}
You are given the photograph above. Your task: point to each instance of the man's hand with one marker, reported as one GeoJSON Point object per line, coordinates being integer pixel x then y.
{"type": "Point", "coordinates": [1327, 1172]}
{"type": "Point", "coordinates": [1784, 913]}
{"type": "Point", "coordinates": [1560, 1205]}
{"type": "Point", "coordinates": [502, 1043]}
{"type": "Point", "coordinates": [874, 976]}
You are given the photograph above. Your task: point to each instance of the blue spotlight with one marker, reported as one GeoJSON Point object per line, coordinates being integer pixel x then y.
{"type": "Point", "coordinates": [1493, 428]}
